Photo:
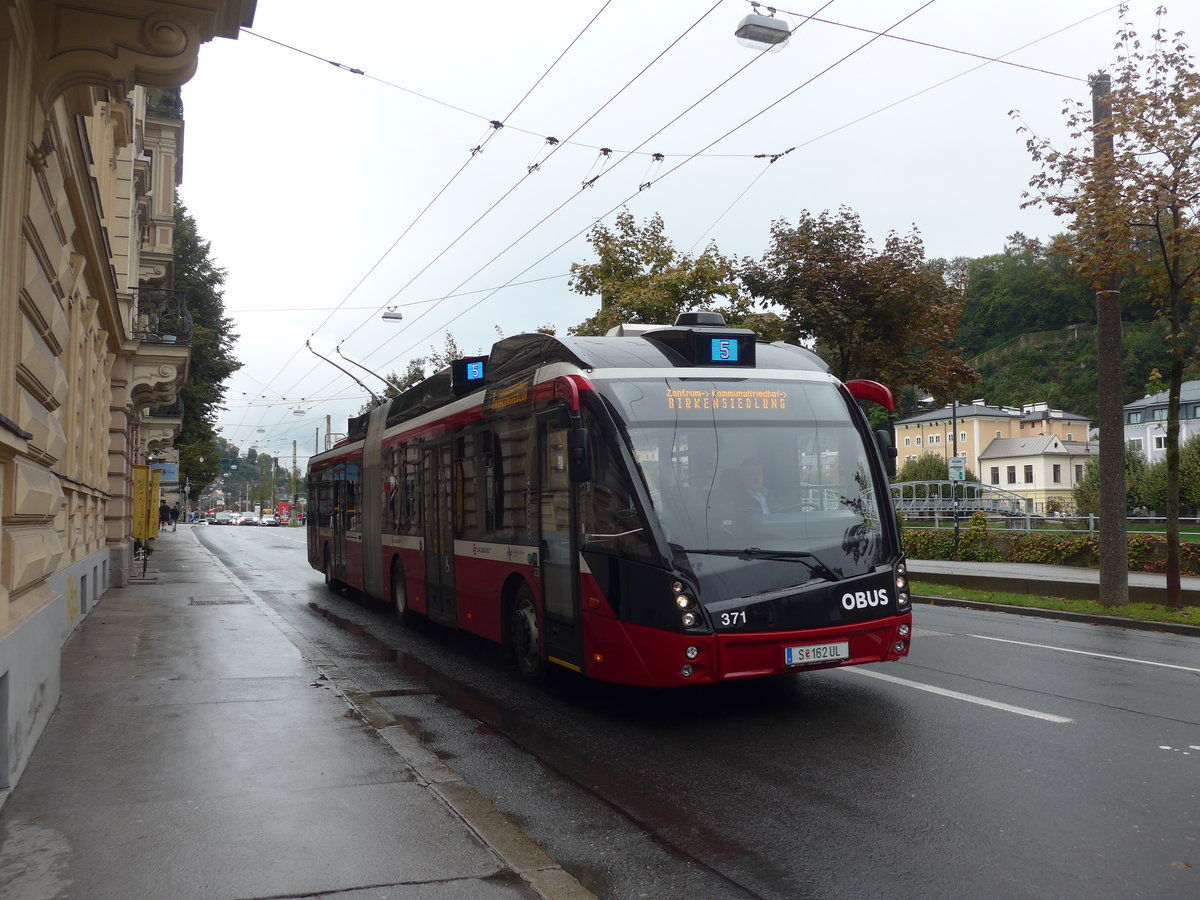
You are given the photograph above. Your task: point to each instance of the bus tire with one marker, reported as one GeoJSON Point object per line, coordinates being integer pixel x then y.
{"type": "Point", "coordinates": [524, 635]}
{"type": "Point", "coordinates": [399, 592]}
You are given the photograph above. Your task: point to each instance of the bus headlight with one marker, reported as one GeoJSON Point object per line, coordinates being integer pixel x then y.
{"type": "Point", "coordinates": [683, 601]}
{"type": "Point", "coordinates": [690, 619]}
{"type": "Point", "coordinates": [900, 572]}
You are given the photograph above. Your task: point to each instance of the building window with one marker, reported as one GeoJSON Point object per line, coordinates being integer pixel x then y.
{"type": "Point", "coordinates": [918, 440]}
{"type": "Point", "coordinates": [1160, 442]}
{"type": "Point", "coordinates": [995, 474]}
{"type": "Point", "coordinates": [935, 439]}
{"type": "Point", "coordinates": [1078, 474]}
{"type": "Point", "coordinates": [1057, 474]}
{"type": "Point", "coordinates": [997, 434]}
{"type": "Point", "coordinates": [1029, 474]}
{"type": "Point", "coordinates": [1134, 444]}
{"type": "Point", "coordinates": [908, 442]}
{"type": "Point", "coordinates": [1011, 472]}
{"type": "Point", "coordinates": [1133, 418]}
{"type": "Point", "coordinates": [1069, 437]}
{"type": "Point", "coordinates": [962, 437]}
{"type": "Point", "coordinates": [1159, 415]}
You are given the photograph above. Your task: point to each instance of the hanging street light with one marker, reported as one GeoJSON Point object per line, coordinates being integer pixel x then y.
{"type": "Point", "coordinates": [763, 32]}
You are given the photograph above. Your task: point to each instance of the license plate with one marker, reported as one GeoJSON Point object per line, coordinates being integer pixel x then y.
{"type": "Point", "coordinates": [816, 653]}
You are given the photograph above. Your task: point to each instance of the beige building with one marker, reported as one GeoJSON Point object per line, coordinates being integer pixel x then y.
{"type": "Point", "coordinates": [93, 340]}
{"type": "Point", "coordinates": [1043, 469]}
{"type": "Point", "coordinates": [976, 425]}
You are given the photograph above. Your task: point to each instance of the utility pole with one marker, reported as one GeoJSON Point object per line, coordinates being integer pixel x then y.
{"type": "Point", "coordinates": [954, 482]}
{"type": "Point", "coordinates": [1114, 540]}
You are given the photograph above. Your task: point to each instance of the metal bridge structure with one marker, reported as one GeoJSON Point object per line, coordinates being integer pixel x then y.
{"type": "Point", "coordinates": [945, 498]}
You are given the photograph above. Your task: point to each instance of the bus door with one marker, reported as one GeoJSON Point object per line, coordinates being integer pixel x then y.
{"type": "Point", "coordinates": [438, 509]}
{"type": "Point", "coordinates": [559, 557]}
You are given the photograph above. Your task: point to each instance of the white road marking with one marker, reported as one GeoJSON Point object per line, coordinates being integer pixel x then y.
{"type": "Point", "coordinates": [958, 695]}
{"type": "Point", "coordinates": [1128, 659]}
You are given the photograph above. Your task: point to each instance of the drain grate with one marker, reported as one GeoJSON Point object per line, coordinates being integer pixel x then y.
{"type": "Point", "coordinates": [200, 601]}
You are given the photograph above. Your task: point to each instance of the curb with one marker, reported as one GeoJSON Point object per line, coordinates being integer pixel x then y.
{"type": "Point", "coordinates": [1087, 618]}
{"type": "Point", "coordinates": [512, 846]}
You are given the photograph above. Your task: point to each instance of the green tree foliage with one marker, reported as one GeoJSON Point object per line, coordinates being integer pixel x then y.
{"type": "Point", "coordinates": [929, 467]}
{"type": "Point", "coordinates": [1139, 485]}
{"type": "Point", "coordinates": [1025, 288]}
{"type": "Point", "coordinates": [639, 276]}
{"type": "Point", "coordinates": [212, 360]}
{"type": "Point", "coordinates": [890, 315]}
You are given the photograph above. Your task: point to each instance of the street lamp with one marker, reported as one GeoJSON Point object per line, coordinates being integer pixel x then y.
{"type": "Point", "coordinates": [763, 32]}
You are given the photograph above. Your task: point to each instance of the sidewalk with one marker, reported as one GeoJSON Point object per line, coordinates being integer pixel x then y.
{"type": "Point", "coordinates": [1071, 582]}
{"type": "Point", "coordinates": [203, 749]}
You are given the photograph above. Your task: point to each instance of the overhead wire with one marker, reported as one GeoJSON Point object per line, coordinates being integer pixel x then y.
{"type": "Point", "coordinates": [496, 126]}
{"type": "Point", "coordinates": [875, 36]}
{"type": "Point", "coordinates": [987, 61]}
{"type": "Point", "coordinates": [678, 166]}
{"type": "Point", "coordinates": [554, 149]}
{"type": "Point", "coordinates": [521, 180]}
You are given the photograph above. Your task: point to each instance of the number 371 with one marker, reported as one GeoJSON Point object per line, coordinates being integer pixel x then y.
{"type": "Point", "coordinates": [738, 617]}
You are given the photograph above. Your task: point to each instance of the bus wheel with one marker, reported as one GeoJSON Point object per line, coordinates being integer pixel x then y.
{"type": "Point", "coordinates": [524, 635]}
{"type": "Point", "coordinates": [399, 593]}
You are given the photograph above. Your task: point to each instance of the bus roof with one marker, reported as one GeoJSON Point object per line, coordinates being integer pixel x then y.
{"type": "Point", "coordinates": [520, 354]}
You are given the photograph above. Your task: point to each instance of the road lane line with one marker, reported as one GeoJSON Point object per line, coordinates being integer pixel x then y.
{"type": "Point", "coordinates": [1128, 659]}
{"type": "Point", "coordinates": [958, 695]}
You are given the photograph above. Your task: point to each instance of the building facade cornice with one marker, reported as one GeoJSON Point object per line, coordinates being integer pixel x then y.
{"type": "Point", "coordinates": [155, 43]}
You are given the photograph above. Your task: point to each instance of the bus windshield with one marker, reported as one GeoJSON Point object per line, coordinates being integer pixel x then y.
{"type": "Point", "coordinates": [757, 469]}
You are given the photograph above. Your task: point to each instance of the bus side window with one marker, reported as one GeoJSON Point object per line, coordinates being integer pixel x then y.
{"type": "Point", "coordinates": [410, 501]}
{"type": "Point", "coordinates": [489, 448]}
{"type": "Point", "coordinates": [513, 438]}
{"type": "Point", "coordinates": [609, 517]}
{"type": "Point", "coordinates": [392, 491]}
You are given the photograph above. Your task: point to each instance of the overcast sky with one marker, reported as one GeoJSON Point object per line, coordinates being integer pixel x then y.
{"type": "Point", "coordinates": [330, 196]}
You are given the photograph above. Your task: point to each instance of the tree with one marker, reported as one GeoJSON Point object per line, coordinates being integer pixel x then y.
{"type": "Point", "coordinates": [1140, 485]}
{"type": "Point", "coordinates": [891, 316]}
{"type": "Point", "coordinates": [212, 360]}
{"type": "Point", "coordinates": [1025, 288]}
{"type": "Point", "coordinates": [641, 277]}
{"type": "Point", "coordinates": [1135, 204]}
{"type": "Point", "coordinates": [929, 467]}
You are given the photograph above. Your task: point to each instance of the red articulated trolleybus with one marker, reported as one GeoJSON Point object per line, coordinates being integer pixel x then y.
{"type": "Point", "coordinates": [661, 506]}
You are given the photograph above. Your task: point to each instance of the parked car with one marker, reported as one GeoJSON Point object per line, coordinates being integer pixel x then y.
{"type": "Point", "coordinates": [268, 520]}
{"type": "Point", "coordinates": [223, 518]}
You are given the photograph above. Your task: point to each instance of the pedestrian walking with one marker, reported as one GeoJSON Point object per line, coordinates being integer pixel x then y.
{"type": "Point", "coordinates": [164, 516]}
{"type": "Point", "coordinates": [174, 516]}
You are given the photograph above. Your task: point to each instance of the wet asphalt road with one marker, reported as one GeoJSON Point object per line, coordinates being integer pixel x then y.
{"type": "Point", "coordinates": [1008, 757]}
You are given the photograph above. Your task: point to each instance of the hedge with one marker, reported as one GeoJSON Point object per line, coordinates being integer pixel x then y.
{"type": "Point", "coordinates": [977, 543]}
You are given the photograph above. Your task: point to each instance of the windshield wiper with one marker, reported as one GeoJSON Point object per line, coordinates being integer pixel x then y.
{"type": "Point", "coordinates": [817, 567]}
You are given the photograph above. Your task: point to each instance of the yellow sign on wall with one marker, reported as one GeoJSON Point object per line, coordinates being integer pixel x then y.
{"type": "Point", "coordinates": [143, 528]}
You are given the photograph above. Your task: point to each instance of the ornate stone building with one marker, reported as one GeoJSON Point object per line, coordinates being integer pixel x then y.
{"type": "Point", "coordinates": [93, 339]}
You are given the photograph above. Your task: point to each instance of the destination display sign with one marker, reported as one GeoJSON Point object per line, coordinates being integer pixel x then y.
{"type": "Point", "coordinates": [503, 397]}
{"type": "Point", "coordinates": [723, 398]}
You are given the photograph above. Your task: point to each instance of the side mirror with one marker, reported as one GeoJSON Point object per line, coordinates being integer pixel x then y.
{"type": "Point", "coordinates": [579, 460]}
{"type": "Point", "coordinates": [887, 448]}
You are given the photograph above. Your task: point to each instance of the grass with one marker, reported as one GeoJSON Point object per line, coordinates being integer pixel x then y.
{"type": "Point", "coordinates": [1142, 612]}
